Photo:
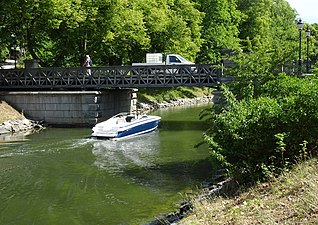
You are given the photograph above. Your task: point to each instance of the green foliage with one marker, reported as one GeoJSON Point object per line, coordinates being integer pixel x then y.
{"type": "Point", "coordinates": [269, 30]}
{"type": "Point", "coordinates": [252, 70]}
{"type": "Point", "coordinates": [269, 40]}
{"type": "Point", "coordinates": [220, 28]}
{"type": "Point", "coordinates": [3, 52]}
{"type": "Point", "coordinates": [256, 137]}
{"type": "Point", "coordinates": [167, 94]}
{"type": "Point", "coordinates": [313, 42]}
{"type": "Point", "coordinates": [119, 32]}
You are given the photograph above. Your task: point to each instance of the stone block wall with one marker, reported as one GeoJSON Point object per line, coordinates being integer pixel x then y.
{"type": "Point", "coordinates": [72, 108]}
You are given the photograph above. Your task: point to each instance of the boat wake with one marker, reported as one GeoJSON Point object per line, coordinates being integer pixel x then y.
{"type": "Point", "coordinates": [117, 156]}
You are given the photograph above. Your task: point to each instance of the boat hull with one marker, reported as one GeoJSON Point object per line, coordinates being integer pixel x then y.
{"type": "Point", "coordinates": [113, 129]}
{"type": "Point", "coordinates": [138, 130]}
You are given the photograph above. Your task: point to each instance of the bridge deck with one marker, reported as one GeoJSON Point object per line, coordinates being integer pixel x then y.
{"type": "Point", "coordinates": [109, 77]}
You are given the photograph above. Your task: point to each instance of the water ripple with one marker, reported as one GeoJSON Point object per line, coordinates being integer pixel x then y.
{"type": "Point", "coordinates": [114, 156]}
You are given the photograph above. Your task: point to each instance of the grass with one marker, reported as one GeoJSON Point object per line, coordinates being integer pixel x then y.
{"type": "Point", "coordinates": [165, 94]}
{"type": "Point", "coordinates": [290, 199]}
{"type": "Point", "coordinates": [7, 112]}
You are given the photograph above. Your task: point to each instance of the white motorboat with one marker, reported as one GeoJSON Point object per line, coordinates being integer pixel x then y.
{"type": "Point", "coordinates": [125, 125]}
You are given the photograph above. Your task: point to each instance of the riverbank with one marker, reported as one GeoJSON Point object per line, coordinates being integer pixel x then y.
{"type": "Point", "coordinates": [11, 121]}
{"type": "Point", "coordinates": [158, 98]}
{"type": "Point", "coordinates": [152, 106]}
{"type": "Point", "coordinates": [289, 199]}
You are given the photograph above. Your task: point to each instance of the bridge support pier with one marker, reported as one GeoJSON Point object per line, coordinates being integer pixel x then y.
{"type": "Point", "coordinates": [72, 108]}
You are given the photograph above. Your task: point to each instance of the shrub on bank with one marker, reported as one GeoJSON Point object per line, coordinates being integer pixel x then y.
{"type": "Point", "coordinates": [256, 138]}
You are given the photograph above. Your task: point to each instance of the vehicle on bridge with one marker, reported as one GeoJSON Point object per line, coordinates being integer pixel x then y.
{"type": "Point", "coordinates": [125, 125]}
{"type": "Point", "coordinates": [157, 59]}
{"type": "Point", "coordinates": [162, 59]}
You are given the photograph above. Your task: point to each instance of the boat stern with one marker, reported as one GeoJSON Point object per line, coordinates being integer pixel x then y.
{"type": "Point", "coordinates": [103, 131]}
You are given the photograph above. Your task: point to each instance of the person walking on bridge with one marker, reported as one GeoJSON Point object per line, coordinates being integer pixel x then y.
{"type": "Point", "coordinates": [88, 63]}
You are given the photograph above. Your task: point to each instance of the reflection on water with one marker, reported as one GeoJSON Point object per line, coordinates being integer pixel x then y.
{"type": "Point", "coordinates": [13, 141]}
{"type": "Point", "coordinates": [114, 156]}
{"type": "Point", "coordinates": [15, 137]}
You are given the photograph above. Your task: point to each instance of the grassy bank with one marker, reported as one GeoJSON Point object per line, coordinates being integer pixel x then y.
{"type": "Point", "coordinates": [7, 112]}
{"type": "Point", "coordinates": [159, 95]}
{"type": "Point", "coordinates": [290, 199]}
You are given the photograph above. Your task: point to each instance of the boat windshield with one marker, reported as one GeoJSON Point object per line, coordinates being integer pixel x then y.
{"type": "Point", "coordinates": [121, 115]}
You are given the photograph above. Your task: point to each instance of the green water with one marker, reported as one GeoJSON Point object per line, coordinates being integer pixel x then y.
{"type": "Point", "coordinates": [60, 176]}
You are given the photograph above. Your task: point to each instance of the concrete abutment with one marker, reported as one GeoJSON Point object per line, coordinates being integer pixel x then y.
{"type": "Point", "coordinates": [72, 108]}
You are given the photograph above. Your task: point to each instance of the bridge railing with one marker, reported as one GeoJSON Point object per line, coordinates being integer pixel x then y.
{"type": "Point", "coordinates": [109, 77]}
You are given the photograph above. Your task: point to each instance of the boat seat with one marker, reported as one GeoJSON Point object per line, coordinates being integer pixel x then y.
{"type": "Point", "coordinates": [120, 120]}
{"type": "Point", "coordinates": [130, 118]}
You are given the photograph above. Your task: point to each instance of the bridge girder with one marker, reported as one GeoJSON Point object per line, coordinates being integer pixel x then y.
{"type": "Point", "coordinates": [96, 78]}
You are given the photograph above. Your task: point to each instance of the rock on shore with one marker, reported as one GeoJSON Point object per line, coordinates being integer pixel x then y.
{"type": "Point", "coordinates": [145, 107]}
{"type": "Point", "coordinates": [19, 125]}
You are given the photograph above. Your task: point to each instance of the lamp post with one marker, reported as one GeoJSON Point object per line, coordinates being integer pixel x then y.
{"type": "Point", "coordinates": [14, 49]}
{"type": "Point", "coordinates": [300, 25]}
{"type": "Point", "coordinates": [307, 63]}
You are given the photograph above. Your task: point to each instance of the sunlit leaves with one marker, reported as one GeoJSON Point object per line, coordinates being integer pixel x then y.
{"type": "Point", "coordinates": [269, 27]}
{"type": "Point", "coordinates": [220, 28]}
{"type": "Point", "coordinates": [249, 134]}
{"type": "Point", "coordinates": [119, 32]}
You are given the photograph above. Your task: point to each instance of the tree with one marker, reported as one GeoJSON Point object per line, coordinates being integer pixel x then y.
{"type": "Point", "coordinates": [117, 32]}
{"type": "Point", "coordinates": [220, 28]}
{"type": "Point", "coordinates": [127, 35]}
{"type": "Point", "coordinates": [174, 27]}
{"type": "Point", "coordinates": [39, 26]}
{"type": "Point", "coordinates": [269, 27]}
{"type": "Point", "coordinates": [265, 121]}
{"type": "Point", "coordinates": [313, 43]}
{"type": "Point", "coordinates": [269, 38]}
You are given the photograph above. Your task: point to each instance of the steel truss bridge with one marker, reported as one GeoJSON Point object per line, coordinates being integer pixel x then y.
{"type": "Point", "coordinates": [96, 78]}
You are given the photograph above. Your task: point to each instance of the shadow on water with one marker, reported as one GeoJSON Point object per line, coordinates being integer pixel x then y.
{"type": "Point", "coordinates": [176, 176]}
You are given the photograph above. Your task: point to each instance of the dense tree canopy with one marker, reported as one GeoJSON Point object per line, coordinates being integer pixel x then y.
{"type": "Point", "coordinates": [119, 32]}
{"type": "Point", "coordinates": [269, 27]}
{"type": "Point", "coordinates": [220, 28]}
{"type": "Point", "coordinates": [266, 119]}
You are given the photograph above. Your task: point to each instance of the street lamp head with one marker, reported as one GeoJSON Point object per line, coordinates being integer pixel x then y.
{"type": "Point", "coordinates": [307, 32]}
{"type": "Point", "coordinates": [300, 24]}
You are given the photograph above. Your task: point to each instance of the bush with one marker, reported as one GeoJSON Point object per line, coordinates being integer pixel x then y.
{"type": "Point", "coordinates": [259, 137]}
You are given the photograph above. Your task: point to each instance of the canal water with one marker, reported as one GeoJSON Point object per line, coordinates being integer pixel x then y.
{"type": "Point", "coordinates": [61, 176]}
